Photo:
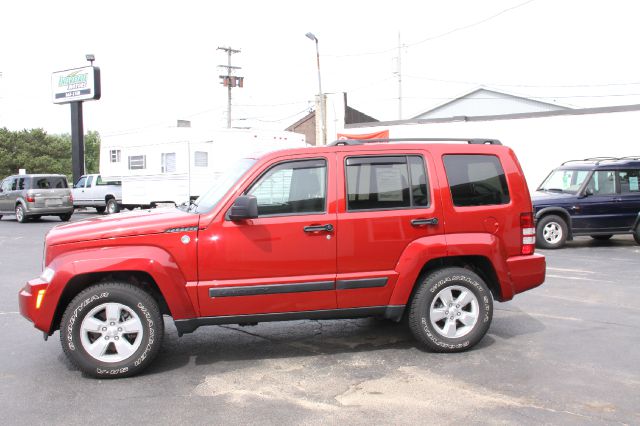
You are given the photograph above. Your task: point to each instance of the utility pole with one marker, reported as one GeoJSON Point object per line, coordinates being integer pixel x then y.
{"type": "Point", "coordinates": [228, 80]}
{"type": "Point", "coordinates": [398, 73]}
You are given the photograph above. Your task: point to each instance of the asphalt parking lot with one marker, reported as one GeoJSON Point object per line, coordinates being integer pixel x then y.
{"type": "Point", "coordinates": [567, 352]}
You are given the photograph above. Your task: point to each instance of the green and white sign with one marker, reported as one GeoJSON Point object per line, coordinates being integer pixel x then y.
{"type": "Point", "coordinates": [79, 84]}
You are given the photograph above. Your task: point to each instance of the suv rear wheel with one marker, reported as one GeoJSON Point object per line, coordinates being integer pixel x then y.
{"type": "Point", "coordinates": [451, 310]}
{"type": "Point", "coordinates": [20, 214]}
{"type": "Point", "coordinates": [636, 234]}
{"type": "Point", "coordinates": [112, 330]}
{"type": "Point", "coordinates": [551, 232]}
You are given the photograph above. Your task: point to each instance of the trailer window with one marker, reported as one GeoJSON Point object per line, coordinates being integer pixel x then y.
{"type": "Point", "coordinates": [201, 159]}
{"type": "Point", "coordinates": [168, 162]}
{"type": "Point", "coordinates": [137, 162]}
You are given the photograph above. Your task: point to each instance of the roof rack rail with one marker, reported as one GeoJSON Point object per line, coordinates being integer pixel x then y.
{"type": "Point", "coordinates": [475, 141]}
{"type": "Point", "coordinates": [596, 160]}
{"type": "Point", "coordinates": [631, 157]}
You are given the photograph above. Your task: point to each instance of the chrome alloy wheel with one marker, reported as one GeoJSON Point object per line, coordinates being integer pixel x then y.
{"type": "Point", "coordinates": [20, 213]}
{"type": "Point", "coordinates": [111, 332]}
{"type": "Point", "coordinates": [552, 232]}
{"type": "Point", "coordinates": [454, 311]}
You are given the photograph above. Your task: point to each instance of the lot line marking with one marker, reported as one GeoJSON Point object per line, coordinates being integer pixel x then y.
{"type": "Point", "coordinates": [9, 313]}
{"type": "Point", "coordinates": [580, 271]}
{"type": "Point", "coordinates": [579, 279]}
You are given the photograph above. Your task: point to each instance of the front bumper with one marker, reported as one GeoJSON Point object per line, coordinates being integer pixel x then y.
{"type": "Point", "coordinates": [526, 272]}
{"type": "Point", "coordinates": [28, 298]}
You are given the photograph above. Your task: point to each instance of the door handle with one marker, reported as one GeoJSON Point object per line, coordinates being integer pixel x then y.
{"type": "Point", "coordinates": [424, 222]}
{"type": "Point", "coordinates": [318, 228]}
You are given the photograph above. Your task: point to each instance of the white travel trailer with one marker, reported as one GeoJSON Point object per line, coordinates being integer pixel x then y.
{"type": "Point", "coordinates": [177, 164]}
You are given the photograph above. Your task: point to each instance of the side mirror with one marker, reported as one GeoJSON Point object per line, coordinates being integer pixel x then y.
{"type": "Point", "coordinates": [245, 207]}
{"type": "Point", "coordinates": [587, 192]}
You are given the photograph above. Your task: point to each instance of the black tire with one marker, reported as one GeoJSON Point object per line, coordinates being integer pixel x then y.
{"type": "Point", "coordinates": [555, 229]}
{"type": "Point", "coordinates": [91, 303]}
{"type": "Point", "coordinates": [100, 209]}
{"type": "Point", "coordinates": [65, 217]}
{"type": "Point", "coordinates": [636, 234]}
{"type": "Point", "coordinates": [602, 237]}
{"type": "Point", "coordinates": [112, 206]}
{"type": "Point", "coordinates": [428, 301]}
{"type": "Point", "coordinates": [21, 215]}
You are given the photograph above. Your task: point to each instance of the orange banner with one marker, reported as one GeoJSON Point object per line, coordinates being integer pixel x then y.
{"type": "Point", "coordinates": [377, 135]}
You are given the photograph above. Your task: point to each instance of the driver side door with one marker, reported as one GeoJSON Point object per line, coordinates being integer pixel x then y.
{"type": "Point", "coordinates": [285, 259]}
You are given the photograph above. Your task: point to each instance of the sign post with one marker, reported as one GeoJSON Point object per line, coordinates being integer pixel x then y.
{"type": "Point", "coordinates": [73, 87]}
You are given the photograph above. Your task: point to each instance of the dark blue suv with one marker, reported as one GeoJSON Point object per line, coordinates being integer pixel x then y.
{"type": "Point", "coordinates": [599, 197]}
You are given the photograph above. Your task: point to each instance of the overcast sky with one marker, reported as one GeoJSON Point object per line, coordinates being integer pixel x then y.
{"type": "Point", "coordinates": [158, 58]}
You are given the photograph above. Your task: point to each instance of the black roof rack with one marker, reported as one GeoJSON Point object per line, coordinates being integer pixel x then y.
{"type": "Point", "coordinates": [475, 141]}
{"type": "Point", "coordinates": [598, 160]}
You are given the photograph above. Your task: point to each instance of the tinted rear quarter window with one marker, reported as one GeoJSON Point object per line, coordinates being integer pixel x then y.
{"type": "Point", "coordinates": [476, 180]}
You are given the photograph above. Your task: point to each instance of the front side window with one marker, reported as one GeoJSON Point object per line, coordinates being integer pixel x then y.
{"type": "Point", "coordinates": [168, 162]}
{"type": "Point", "coordinates": [389, 182]}
{"type": "Point", "coordinates": [602, 182]}
{"type": "Point", "coordinates": [629, 181]}
{"type": "Point", "coordinates": [14, 184]}
{"type": "Point", "coordinates": [569, 181]}
{"type": "Point", "coordinates": [137, 162]}
{"type": "Point", "coordinates": [295, 187]}
{"type": "Point", "coordinates": [81, 182]}
{"type": "Point", "coordinates": [476, 180]}
{"type": "Point", "coordinates": [89, 181]}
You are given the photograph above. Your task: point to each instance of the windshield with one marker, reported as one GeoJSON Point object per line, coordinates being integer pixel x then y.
{"type": "Point", "coordinates": [568, 181]}
{"type": "Point", "coordinates": [221, 186]}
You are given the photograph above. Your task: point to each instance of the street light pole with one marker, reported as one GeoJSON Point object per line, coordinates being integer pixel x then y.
{"type": "Point", "coordinates": [323, 133]}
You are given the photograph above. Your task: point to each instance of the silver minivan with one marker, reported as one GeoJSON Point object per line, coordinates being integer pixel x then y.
{"type": "Point", "coordinates": [32, 196]}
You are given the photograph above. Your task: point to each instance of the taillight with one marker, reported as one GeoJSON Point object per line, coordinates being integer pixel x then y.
{"type": "Point", "coordinates": [71, 198]}
{"type": "Point", "coordinates": [31, 199]}
{"type": "Point", "coordinates": [528, 233]}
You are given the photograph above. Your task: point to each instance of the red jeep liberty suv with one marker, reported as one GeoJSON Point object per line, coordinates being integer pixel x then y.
{"type": "Point", "coordinates": [390, 228]}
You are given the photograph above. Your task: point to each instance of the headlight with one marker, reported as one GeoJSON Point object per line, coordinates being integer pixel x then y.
{"type": "Point", "coordinates": [47, 275]}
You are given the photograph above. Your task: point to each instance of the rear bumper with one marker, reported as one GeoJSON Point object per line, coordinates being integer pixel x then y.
{"type": "Point", "coordinates": [47, 211]}
{"type": "Point", "coordinates": [27, 299]}
{"type": "Point", "coordinates": [526, 272]}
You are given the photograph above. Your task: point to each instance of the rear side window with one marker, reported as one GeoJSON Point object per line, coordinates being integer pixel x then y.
{"type": "Point", "coordinates": [390, 182]}
{"type": "Point", "coordinates": [629, 181]}
{"type": "Point", "coordinates": [48, 182]}
{"type": "Point", "coordinates": [476, 180]}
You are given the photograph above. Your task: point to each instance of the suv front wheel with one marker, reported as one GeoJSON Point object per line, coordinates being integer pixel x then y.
{"type": "Point", "coordinates": [551, 232]}
{"type": "Point", "coordinates": [451, 310]}
{"type": "Point", "coordinates": [112, 330]}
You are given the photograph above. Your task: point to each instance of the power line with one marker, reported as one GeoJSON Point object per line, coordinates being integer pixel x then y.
{"type": "Point", "coordinates": [444, 34]}
{"type": "Point", "coordinates": [568, 86]}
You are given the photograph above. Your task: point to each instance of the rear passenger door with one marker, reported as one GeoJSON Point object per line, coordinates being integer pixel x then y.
{"type": "Point", "coordinates": [387, 200]}
{"type": "Point", "coordinates": [629, 196]}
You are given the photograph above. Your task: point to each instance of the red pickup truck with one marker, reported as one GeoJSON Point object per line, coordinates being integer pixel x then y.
{"type": "Point", "coordinates": [392, 228]}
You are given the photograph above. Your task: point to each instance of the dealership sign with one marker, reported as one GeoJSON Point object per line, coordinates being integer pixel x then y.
{"type": "Point", "coordinates": [79, 84]}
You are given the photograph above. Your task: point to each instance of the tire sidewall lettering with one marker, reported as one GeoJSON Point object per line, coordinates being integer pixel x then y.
{"type": "Point", "coordinates": [479, 291]}
{"type": "Point", "coordinates": [74, 317]}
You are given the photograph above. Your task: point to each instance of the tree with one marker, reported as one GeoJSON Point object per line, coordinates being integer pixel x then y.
{"type": "Point", "coordinates": [38, 152]}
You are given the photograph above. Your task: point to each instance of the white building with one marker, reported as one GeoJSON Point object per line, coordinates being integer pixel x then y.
{"type": "Point", "coordinates": [542, 140]}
